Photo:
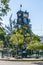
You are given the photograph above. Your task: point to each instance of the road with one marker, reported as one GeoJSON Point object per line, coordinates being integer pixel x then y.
{"type": "Point", "coordinates": [20, 63]}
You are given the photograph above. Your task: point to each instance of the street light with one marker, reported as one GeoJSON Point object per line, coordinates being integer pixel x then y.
{"type": "Point", "coordinates": [16, 49]}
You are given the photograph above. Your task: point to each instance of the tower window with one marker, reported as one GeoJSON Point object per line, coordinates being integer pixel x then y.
{"type": "Point", "coordinates": [25, 15]}
{"type": "Point", "coordinates": [25, 21]}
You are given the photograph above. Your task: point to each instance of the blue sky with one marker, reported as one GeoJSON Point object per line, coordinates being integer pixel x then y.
{"type": "Point", "coordinates": [35, 9]}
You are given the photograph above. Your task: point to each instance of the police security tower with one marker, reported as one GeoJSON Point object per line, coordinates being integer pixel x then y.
{"type": "Point", "coordinates": [22, 16]}
{"type": "Point", "coordinates": [23, 22]}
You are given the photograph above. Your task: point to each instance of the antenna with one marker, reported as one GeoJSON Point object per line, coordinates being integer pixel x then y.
{"type": "Point", "coordinates": [20, 7]}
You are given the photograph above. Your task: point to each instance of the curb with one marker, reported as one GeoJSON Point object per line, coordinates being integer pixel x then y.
{"type": "Point", "coordinates": [21, 60]}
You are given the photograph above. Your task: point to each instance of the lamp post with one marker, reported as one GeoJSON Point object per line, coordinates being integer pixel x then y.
{"type": "Point", "coordinates": [16, 50]}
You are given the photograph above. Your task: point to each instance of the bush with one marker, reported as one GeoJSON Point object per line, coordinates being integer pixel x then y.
{"type": "Point", "coordinates": [37, 57]}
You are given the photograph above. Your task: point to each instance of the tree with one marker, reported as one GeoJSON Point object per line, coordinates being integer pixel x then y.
{"type": "Point", "coordinates": [35, 46]}
{"type": "Point", "coordinates": [2, 33]}
{"type": "Point", "coordinates": [15, 39]}
{"type": "Point", "coordinates": [34, 43]}
{"type": "Point", "coordinates": [1, 43]}
{"type": "Point", "coordinates": [2, 37]}
{"type": "Point", "coordinates": [12, 25]}
{"type": "Point", "coordinates": [4, 7]}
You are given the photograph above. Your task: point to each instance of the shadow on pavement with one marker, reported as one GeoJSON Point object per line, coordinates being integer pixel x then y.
{"type": "Point", "coordinates": [38, 63]}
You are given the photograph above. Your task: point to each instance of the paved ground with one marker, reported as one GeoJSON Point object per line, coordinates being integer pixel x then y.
{"type": "Point", "coordinates": [20, 63]}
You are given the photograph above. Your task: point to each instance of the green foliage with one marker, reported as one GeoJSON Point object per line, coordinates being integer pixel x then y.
{"type": "Point", "coordinates": [10, 27]}
{"type": "Point", "coordinates": [2, 38]}
{"type": "Point", "coordinates": [36, 38]}
{"type": "Point", "coordinates": [35, 46]}
{"type": "Point", "coordinates": [2, 33]}
{"type": "Point", "coordinates": [17, 38]}
{"type": "Point", "coordinates": [1, 43]}
{"type": "Point", "coordinates": [37, 57]}
{"type": "Point", "coordinates": [35, 43]}
{"type": "Point", "coordinates": [27, 37]}
{"type": "Point", "coordinates": [4, 7]}
{"type": "Point", "coordinates": [4, 1]}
